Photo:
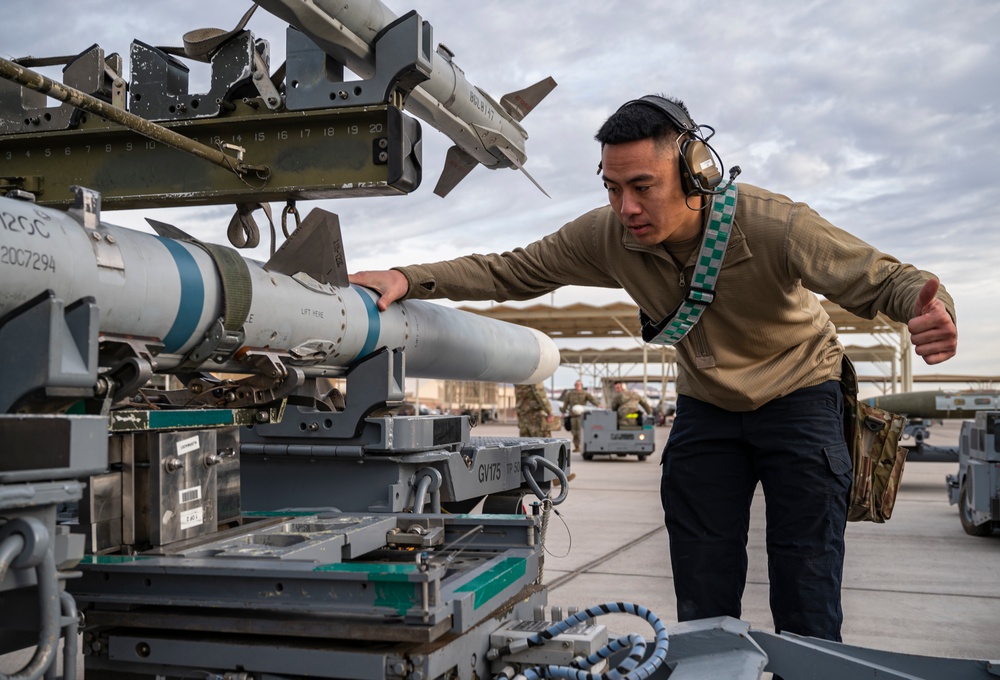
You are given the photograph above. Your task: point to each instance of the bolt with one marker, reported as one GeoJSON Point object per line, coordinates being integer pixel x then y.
{"type": "Point", "coordinates": [342, 94]}
{"type": "Point", "coordinates": [383, 143]}
{"type": "Point", "coordinates": [263, 417]}
{"type": "Point", "coordinates": [96, 236]}
{"type": "Point", "coordinates": [313, 427]}
{"type": "Point", "coordinates": [258, 75]}
{"type": "Point", "coordinates": [109, 238]}
{"type": "Point", "coordinates": [383, 156]}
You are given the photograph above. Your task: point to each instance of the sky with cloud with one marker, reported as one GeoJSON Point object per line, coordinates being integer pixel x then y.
{"type": "Point", "coordinates": [885, 117]}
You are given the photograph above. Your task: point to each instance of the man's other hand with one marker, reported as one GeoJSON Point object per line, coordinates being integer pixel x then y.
{"type": "Point", "coordinates": [932, 330]}
{"type": "Point", "coordinates": [391, 284]}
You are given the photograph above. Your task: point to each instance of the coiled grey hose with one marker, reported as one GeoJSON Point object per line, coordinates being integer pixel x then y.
{"type": "Point", "coordinates": [530, 463]}
{"type": "Point", "coordinates": [71, 626]}
{"type": "Point", "coordinates": [429, 480]}
{"type": "Point", "coordinates": [48, 603]}
{"type": "Point", "coordinates": [10, 548]}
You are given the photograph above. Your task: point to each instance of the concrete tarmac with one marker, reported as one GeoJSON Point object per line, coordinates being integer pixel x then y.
{"type": "Point", "coordinates": [916, 584]}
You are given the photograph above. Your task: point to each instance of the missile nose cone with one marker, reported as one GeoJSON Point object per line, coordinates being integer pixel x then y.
{"type": "Point", "coordinates": [548, 358]}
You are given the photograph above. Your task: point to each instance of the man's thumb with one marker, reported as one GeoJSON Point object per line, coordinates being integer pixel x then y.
{"type": "Point", "coordinates": [927, 295]}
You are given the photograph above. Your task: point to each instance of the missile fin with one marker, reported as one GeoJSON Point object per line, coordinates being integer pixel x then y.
{"type": "Point", "coordinates": [170, 231]}
{"type": "Point", "coordinates": [517, 164]}
{"type": "Point", "coordinates": [520, 103]}
{"type": "Point", "coordinates": [315, 248]}
{"type": "Point", "coordinates": [533, 181]}
{"type": "Point", "coordinates": [457, 165]}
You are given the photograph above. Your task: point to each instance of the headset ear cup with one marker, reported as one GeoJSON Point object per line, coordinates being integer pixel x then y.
{"type": "Point", "coordinates": [703, 172]}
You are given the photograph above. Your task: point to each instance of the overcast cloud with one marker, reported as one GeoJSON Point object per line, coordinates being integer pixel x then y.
{"type": "Point", "coordinates": [882, 116]}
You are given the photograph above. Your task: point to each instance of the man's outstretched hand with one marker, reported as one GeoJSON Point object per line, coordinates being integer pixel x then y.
{"type": "Point", "coordinates": [391, 284]}
{"type": "Point", "coordinates": [932, 330]}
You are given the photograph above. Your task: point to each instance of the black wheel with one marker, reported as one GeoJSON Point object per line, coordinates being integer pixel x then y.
{"type": "Point", "coordinates": [588, 456]}
{"type": "Point", "coordinates": [643, 457]}
{"type": "Point", "coordinates": [504, 504]}
{"type": "Point", "coordinates": [965, 516]}
{"type": "Point", "coordinates": [461, 507]}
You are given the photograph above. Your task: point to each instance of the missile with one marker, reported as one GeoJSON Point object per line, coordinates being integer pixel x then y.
{"type": "Point", "coordinates": [485, 132]}
{"type": "Point", "coordinates": [938, 405]}
{"type": "Point", "coordinates": [211, 308]}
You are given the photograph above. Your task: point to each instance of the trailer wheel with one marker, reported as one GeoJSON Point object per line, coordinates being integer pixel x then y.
{"type": "Point", "coordinates": [504, 504]}
{"type": "Point", "coordinates": [461, 507]}
{"type": "Point", "coordinates": [588, 456]}
{"type": "Point", "coordinates": [643, 457]}
{"type": "Point", "coordinates": [965, 516]}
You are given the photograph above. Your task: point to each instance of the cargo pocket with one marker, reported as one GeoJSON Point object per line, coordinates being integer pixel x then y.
{"type": "Point", "coordinates": [838, 457]}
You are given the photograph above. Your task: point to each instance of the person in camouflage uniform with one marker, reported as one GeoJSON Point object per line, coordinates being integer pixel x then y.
{"type": "Point", "coordinates": [627, 402]}
{"type": "Point", "coordinates": [576, 397]}
{"type": "Point", "coordinates": [534, 412]}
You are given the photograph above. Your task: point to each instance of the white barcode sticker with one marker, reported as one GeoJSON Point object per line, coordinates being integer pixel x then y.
{"type": "Point", "coordinates": [191, 494]}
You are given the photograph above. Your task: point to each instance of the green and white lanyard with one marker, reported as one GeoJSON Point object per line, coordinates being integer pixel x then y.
{"type": "Point", "coordinates": [701, 293]}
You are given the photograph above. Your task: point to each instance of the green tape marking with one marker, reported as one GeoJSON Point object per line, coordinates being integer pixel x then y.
{"type": "Point", "coordinates": [492, 582]}
{"type": "Point", "coordinates": [111, 559]}
{"type": "Point", "coordinates": [391, 582]}
{"type": "Point", "coordinates": [201, 417]}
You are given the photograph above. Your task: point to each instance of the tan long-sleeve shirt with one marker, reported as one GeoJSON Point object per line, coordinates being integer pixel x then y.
{"type": "Point", "coordinates": [765, 335]}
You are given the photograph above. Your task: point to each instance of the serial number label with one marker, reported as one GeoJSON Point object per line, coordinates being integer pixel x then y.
{"type": "Point", "coordinates": [192, 518]}
{"type": "Point", "coordinates": [490, 472]}
{"type": "Point", "coordinates": [23, 224]}
{"type": "Point", "coordinates": [188, 445]}
{"type": "Point", "coordinates": [28, 259]}
{"type": "Point", "coordinates": [481, 104]}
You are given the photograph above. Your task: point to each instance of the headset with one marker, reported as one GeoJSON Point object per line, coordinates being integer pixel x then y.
{"type": "Point", "coordinates": [700, 173]}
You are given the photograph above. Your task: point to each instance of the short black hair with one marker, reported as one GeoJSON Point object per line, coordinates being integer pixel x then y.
{"type": "Point", "coordinates": [635, 121]}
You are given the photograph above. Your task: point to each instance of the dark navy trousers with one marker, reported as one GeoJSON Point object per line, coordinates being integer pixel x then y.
{"type": "Point", "coordinates": [794, 447]}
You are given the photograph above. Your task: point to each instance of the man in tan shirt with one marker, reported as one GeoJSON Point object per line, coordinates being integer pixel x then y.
{"type": "Point", "coordinates": [758, 382]}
